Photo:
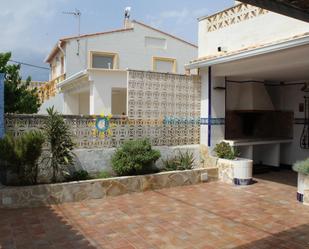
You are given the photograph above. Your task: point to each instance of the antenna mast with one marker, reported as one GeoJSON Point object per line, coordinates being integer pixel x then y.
{"type": "Point", "coordinates": [77, 14]}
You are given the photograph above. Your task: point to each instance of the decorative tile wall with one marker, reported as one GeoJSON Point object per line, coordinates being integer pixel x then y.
{"type": "Point", "coordinates": [159, 95]}
{"type": "Point", "coordinates": [164, 108]}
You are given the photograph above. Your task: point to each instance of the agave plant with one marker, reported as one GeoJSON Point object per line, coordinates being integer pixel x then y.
{"type": "Point", "coordinates": [182, 161]}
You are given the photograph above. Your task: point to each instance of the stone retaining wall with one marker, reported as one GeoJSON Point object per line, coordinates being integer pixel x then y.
{"type": "Point", "coordinates": [41, 195]}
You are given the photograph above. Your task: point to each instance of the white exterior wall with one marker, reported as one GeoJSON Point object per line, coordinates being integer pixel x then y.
{"type": "Point", "coordinates": [131, 50]}
{"type": "Point", "coordinates": [71, 103]}
{"type": "Point", "coordinates": [101, 89]}
{"type": "Point", "coordinates": [84, 103]}
{"type": "Point", "coordinates": [57, 102]}
{"type": "Point", "coordinates": [259, 30]}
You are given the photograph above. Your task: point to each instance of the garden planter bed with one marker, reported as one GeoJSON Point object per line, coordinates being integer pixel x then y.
{"type": "Point", "coordinates": [41, 195]}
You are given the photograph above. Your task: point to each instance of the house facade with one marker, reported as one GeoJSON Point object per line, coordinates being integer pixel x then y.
{"type": "Point", "coordinates": [89, 73]}
{"type": "Point", "coordinates": [254, 69]}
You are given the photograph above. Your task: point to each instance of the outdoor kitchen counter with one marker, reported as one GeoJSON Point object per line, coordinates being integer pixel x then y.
{"type": "Point", "coordinates": [261, 150]}
{"type": "Point", "coordinates": [257, 141]}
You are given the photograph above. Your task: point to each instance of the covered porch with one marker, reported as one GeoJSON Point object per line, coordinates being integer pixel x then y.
{"type": "Point", "coordinates": [254, 99]}
{"type": "Point", "coordinates": [95, 92]}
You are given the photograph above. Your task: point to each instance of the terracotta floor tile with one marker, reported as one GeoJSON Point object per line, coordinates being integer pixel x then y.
{"type": "Point", "coordinates": [205, 216]}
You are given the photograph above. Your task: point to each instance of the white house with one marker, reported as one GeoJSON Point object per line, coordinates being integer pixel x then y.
{"type": "Point", "coordinates": [254, 66]}
{"type": "Point", "coordinates": [90, 71]}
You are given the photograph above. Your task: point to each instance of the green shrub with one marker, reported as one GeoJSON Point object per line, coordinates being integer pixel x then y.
{"type": "Point", "coordinates": [225, 151]}
{"type": "Point", "coordinates": [104, 174]}
{"type": "Point", "coordinates": [134, 158]}
{"type": "Point", "coordinates": [302, 166]}
{"type": "Point", "coordinates": [59, 137]}
{"type": "Point", "coordinates": [21, 155]}
{"type": "Point", "coordinates": [182, 161]}
{"type": "Point", "coordinates": [79, 175]}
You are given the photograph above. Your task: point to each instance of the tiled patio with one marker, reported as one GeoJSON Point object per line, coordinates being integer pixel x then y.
{"type": "Point", "coordinates": [211, 215]}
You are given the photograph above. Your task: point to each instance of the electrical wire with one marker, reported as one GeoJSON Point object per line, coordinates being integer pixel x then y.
{"type": "Point", "coordinates": [29, 65]}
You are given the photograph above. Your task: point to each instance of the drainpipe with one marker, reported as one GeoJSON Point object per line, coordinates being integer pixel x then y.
{"type": "Point", "coordinates": [209, 106]}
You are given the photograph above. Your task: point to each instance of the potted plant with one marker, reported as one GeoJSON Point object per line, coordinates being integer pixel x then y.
{"type": "Point", "coordinates": [302, 168]}
{"type": "Point", "coordinates": [241, 168]}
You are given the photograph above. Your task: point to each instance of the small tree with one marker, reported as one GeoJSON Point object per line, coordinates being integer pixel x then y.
{"type": "Point", "coordinates": [59, 137]}
{"type": "Point", "coordinates": [17, 97]}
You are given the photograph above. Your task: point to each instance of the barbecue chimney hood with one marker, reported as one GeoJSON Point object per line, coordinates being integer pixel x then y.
{"type": "Point", "coordinates": [248, 96]}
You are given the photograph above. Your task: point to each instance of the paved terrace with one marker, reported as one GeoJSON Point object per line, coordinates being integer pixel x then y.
{"type": "Point", "coordinates": [211, 215]}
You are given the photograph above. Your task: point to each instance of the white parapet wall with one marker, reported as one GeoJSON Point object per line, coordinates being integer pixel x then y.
{"type": "Point", "coordinates": [96, 160]}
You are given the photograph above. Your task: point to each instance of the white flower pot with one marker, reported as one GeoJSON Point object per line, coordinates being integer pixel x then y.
{"type": "Point", "coordinates": [238, 171]}
{"type": "Point", "coordinates": [242, 169]}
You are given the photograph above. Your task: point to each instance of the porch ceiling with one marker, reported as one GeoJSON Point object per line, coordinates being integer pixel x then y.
{"type": "Point", "coordinates": [286, 65]}
{"type": "Point", "coordinates": [298, 9]}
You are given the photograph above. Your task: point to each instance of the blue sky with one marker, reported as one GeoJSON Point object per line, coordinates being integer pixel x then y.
{"type": "Point", "coordinates": [32, 29]}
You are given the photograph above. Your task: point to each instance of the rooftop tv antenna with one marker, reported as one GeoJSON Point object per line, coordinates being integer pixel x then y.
{"type": "Point", "coordinates": [77, 14]}
{"type": "Point", "coordinates": [127, 12]}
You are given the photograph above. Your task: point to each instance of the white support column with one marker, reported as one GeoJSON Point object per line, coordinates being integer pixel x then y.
{"type": "Point", "coordinates": [204, 106]}
{"type": "Point", "coordinates": [212, 120]}
{"type": "Point", "coordinates": [218, 109]}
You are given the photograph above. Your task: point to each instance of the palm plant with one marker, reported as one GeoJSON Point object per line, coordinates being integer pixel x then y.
{"type": "Point", "coordinates": [59, 136]}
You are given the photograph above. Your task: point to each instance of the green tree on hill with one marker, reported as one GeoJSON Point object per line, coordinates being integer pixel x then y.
{"type": "Point", "coordinates": [17, 97]}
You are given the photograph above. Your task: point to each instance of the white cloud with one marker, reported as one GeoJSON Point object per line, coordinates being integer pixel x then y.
{"type": "Point", "coordinates": [18, 18]}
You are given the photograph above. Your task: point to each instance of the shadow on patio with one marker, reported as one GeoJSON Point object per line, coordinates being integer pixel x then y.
{"type": "Point", "coordinates": [294, 238]}
{"type": "Point", "coordinates": [39, 228]}
{"type": "Point", "coordinates": [283, 176]}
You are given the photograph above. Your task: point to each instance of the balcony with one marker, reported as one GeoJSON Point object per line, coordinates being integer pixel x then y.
{"type": "Point", "coordinates": [233, 15]}
{"type": "Point", "coordinates": [48, 90]}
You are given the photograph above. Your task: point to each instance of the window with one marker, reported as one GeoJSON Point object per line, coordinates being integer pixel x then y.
{"type": "Point", "coordinates": [103, 60]}
{"type": "Point", "coordinates": [164, 65]}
